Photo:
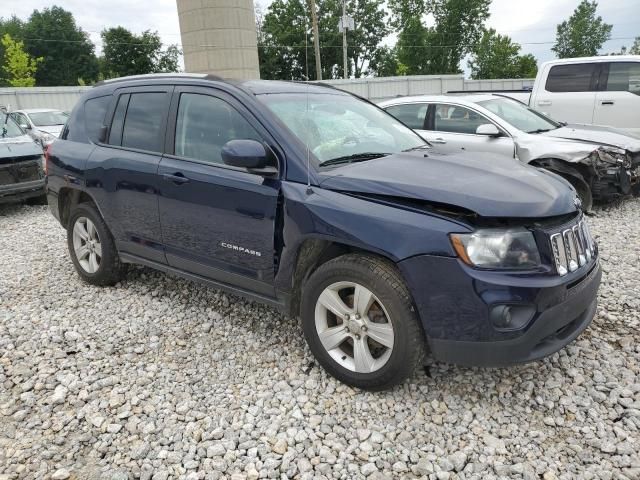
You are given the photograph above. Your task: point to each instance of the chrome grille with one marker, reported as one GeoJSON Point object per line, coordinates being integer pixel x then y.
{"type": "Point", "coordinates": [572, 248]}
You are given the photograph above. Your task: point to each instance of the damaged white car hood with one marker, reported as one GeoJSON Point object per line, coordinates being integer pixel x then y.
{"type": "Point", "coordinates": [599, 135]}
{"type": "Point", "coordinates": [574, 143]}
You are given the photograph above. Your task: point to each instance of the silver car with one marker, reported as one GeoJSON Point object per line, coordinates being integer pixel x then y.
{"type": "Point", "coordinates": [42, 124]}
{"type": "Point", "coordinates": [602, 163]}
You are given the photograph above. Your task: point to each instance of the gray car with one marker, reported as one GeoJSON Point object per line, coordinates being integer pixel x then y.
{"type": "Point", "coordinates": [21, 164]}
{"type": "Point", "coordinates": [602, 163]}
{"type": "Point", "coordinates": [42, 124]}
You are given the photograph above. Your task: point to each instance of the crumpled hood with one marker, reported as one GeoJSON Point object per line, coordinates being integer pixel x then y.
{"type": "Point", "coordinates": [490, 185]}
{"type": "Point", "coordinates": [598, 135]}
{"type": "Point", "coordinates": [18, 147]}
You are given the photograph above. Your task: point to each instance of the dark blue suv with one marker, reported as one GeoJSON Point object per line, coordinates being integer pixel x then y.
{"type": "Point", "coordinates": [314, 201]}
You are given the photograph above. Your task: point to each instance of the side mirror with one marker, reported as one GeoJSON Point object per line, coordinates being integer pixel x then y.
{"type": "Point", "coordinates": [488, 129]}
{"type": "Point", "coordinates": [249, 154]}
{"type": "Point", "coordinates": [24, 126]}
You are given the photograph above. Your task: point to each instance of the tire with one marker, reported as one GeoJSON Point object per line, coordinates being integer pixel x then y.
{"type": "Point", "coordinates": [583, 189]}
{"type": "Point", "coordinates": [101, 265]}
{"type": "Point", "coordinates": [386, 313]}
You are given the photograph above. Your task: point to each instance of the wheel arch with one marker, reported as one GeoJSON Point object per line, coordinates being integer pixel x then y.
{"type": "Point", "coordinates": [69, 197]}
{"type": "Point", "coordinates": [311, 254]}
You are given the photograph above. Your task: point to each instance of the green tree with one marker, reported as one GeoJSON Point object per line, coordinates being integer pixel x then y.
{"type": "Point", "coordinates": [285, 39]}
{"type": "Point", "coordinates": [385, 62]}
{"type": "Point", "coordinates": [19, 67]}
{"type": "Point", "coordinates": [285, 47]}
{"type": "Point", "coordinates": [125, 53]}
{"type": "Point", "coordinates": [437, 49]}
{"type": "Point", "coordinates": [14, 27]}
{"type": "Point", "coordinates": [66, 49]}
{"type": "Point", "coordinates": [635, 48]}
{"type": "Point", "coordinates": [363, 42]}
{"type": "Point", "coordinates": [583, 34]}
{"type": "Point", "coordinates": [496, 56]}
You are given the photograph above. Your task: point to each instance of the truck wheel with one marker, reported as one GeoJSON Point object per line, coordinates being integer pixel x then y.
{"type": "Point", "coordinates": [92, 248]}
{"type": "Point", "coordinates": [360, 324]}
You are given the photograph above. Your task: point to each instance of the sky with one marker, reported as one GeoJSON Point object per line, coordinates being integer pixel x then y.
{"type": "Point", "coordinates": [532, 23]}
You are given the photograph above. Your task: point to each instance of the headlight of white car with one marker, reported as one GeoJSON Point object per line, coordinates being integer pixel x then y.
{"type": "Point", "coordinates": [497, 248]}
{"type": "Point", "coordinates": [613, 156]}
{"type": "Point", "coordinates": [47, 139]}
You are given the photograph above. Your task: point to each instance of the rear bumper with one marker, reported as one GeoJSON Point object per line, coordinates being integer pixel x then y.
{"type": "Point", "coordinates": [18, 192]}
{"type": "Point", "coordinates": [456, 314]}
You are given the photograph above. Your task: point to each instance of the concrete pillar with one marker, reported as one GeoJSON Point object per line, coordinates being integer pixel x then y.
{"type": "Point", "coordinates": [219, 37]}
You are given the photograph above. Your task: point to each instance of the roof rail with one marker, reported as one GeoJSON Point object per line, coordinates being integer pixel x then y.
{"type": "Point", "coordinates": [149, 76]}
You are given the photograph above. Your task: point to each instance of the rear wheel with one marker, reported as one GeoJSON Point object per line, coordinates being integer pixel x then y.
{"type": "Point", "coordinates": [360, 324]}
{"type": "Point", "coordinates": [92, 248]}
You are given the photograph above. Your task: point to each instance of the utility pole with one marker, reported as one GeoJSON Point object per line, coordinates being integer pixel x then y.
{"type": "Point", "coordinates": [316, 38]}
{"type": "Point", "coordinates": [344, 39]}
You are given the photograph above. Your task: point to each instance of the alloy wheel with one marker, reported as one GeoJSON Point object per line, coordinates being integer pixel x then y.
{"type": "Point", "coordinates": [87, 245]}
{"type": "Point", "coordinates": [354, 327]}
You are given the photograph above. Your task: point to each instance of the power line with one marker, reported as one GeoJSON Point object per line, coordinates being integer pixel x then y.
{"type": "Point", "coordinates": [51, 40]}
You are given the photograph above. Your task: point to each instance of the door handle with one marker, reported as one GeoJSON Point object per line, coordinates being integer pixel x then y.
{"type": "Point", "coordinates": [177, 178]}
{"type": "Point", "coordinates": [544, 103]}
{"type": "Point", "coordinates": [607, 102]}
{"type": "Point", "coordinates": [439, 141]}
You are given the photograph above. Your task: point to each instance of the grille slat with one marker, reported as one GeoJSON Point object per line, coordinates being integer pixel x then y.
{"type": "Point", "coordinates": [572, 248]}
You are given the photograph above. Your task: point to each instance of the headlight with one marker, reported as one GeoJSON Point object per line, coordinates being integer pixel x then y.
{"type": "Point", "coordinates": [497, 248]}
{"type": "Point", "coordinates": [613, 156]}
{"type": "Point", "coordinates": [47, 139]}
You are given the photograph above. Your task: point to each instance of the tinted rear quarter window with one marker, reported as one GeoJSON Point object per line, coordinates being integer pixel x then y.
{"type": "Point", "coordinates": [95, 110]}
{"type": "Point", "coordinates": [624, 77]}
{"type": "Point", "coordinates": [143, 121]}
{"type": "Point", "coordinates": [575, 77]}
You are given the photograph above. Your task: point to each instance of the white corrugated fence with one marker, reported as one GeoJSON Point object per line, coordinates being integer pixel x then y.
{"type": "Point", "coordinates": [375, 89]}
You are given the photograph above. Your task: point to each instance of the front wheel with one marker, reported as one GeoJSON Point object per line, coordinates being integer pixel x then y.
{"type": "Point", "coordinates": [92, 248]}
{"type": "Point", "coordinates": [360, 324]}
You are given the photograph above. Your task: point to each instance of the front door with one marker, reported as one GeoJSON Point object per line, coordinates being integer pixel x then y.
{"type": "Point", "coordinates": [217, 221]}
{"type": "Point", "coordinates": [452, 129]}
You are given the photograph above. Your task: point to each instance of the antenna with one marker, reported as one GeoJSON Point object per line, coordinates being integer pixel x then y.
{"type": "Point", "coordinates": [306, 63]}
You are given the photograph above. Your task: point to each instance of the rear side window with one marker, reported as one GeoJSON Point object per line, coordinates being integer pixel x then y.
{"type": "Point", "coordinates": [624, 77]}
{"type": "Point", "coordinates": [138, 121]}
{"type": "Point", "coordinates": [412, 114]}
{"type": "Point", "coordinates": [575, 77]}
{"type": "Point", "coordinates": [95, 110]}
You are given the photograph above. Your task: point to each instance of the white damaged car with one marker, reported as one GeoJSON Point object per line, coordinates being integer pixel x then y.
{"type": "Point", "coordinates": [602, 163]}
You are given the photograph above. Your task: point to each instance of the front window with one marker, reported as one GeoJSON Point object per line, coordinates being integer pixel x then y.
{"type": "Point", "coordinates": [519, 115]}
{"type": "Point", "coordinates": [48, 119]}
{"type": "Point", "coordinates": [335, 126]}
{"type": "Point", "coordinates": [9, 129]}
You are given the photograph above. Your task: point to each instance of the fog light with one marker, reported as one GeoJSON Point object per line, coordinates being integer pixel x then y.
{"type": "Point", "coordinates": [511, 317]}
{"type": "Point", "coordinates": [501, 316]}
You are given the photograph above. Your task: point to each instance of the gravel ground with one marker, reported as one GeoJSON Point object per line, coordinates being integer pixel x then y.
{"type": "Point", "coordinates": [159, 378]}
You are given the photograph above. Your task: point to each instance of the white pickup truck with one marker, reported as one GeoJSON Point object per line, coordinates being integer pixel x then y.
{"type": "Point", "coordinates": [590, 90]}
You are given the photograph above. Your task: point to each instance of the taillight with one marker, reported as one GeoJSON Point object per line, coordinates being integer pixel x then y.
{"type": "Point", "coordinates": [45, 167]}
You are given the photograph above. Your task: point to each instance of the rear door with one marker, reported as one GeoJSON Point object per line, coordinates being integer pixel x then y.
{"type": "Point", "coordinates": [569, 92]}
{"type": "Point", "coordinates": [122, 173]}
{"type": "Point", "coordinates": [452, 128]}
{"type": "Point", "coordinates": [217, 221]}
{"type": "Point", "coordinates": [618, 101]}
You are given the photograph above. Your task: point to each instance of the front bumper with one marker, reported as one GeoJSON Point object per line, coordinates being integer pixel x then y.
{"type": "Point", "coordinates": [454, 304]}
{"type": "Point", "coordinates": [18, 192]}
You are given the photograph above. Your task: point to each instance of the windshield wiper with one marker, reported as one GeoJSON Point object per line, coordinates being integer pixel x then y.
{"type": "Point", "coordinates": [426, 146]}
{"type": "Point", "coordinates": [542, 130]}
{"type": "Point", "coordinates": [356, 157]}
